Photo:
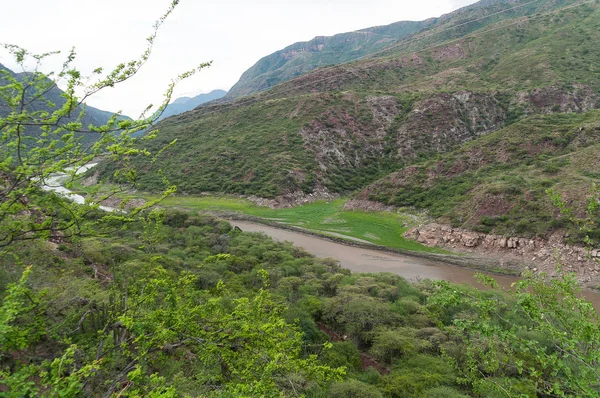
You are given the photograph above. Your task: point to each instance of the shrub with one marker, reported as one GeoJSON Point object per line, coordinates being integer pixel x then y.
{"type": "Point", "coordinates": [353, 389]}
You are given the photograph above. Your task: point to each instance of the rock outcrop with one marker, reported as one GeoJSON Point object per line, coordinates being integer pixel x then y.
{"type": "Point", "coordinates": [444, 121]}
{"type": "Point", "coordinates": [537, 254]}
{"type": "Point", "coordinates": [293, 199]}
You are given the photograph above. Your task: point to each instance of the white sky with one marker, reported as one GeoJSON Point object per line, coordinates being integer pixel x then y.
{"type": "Point", "coordinates": [234, 34]}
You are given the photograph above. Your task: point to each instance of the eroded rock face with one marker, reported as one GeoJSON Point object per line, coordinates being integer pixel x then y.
{"type": "Point", "coordinates": [339, 138]}
{"type": "Point", "coordinates": [578, 98]}
{"type": "Point", "coordinates": [444, 121]}
{"type": "Point", "coordinates": [439, 123]}
{"type": "Point", "coordinates": [358, 133]}
{"type": "Point", "coordinates": [541, 255]}
{"type": "Point", "coordinates": [91, 180]}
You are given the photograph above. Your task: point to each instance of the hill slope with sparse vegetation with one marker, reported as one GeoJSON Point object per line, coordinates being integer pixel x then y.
{"type": "Point", "coordinates": [341, 128]}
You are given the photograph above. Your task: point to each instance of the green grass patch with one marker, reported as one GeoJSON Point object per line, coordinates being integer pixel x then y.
{"type": "Point", "coordinates": [328, 218]}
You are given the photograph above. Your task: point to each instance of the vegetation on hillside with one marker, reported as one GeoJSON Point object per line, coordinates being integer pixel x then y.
{"type": "Point", "coordinates": [347, 126]}
{"type": "Point", "coordinates": [500, 182]}
{"type": "Point", "coordinates": [187, 306]}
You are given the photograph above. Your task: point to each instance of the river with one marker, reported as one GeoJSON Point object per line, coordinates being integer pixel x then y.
{"type": "Point", "coordinates": [358, 259]}
{"type": "Point", "coordinates": [353, 258]}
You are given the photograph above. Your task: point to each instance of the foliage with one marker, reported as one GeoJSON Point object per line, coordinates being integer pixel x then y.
{"type": "Point", "coordinates": [543, 335]}
{"type": "Point", "coordinates": [353, 389]}
{"type": "Point", "coordinates": [243, 345]}
{"type": "Point", "coordinates": [587, 225]}
{"type": "Point", "coordinates": [40, 140]}
{"type": "Point", "coordinates": [208, 310]}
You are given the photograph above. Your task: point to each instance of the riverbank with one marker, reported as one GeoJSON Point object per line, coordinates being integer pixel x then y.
{"type": "Point", "coordinates": [330, 218]}
{"type": "Point", "coordinates": [353, 223]}
{"type": "Point", "coordinates": [393, 231]}
{"type": "Point", "coordinates": [315, 220]}
{"type": "Point", "coordinates": [490, 265]}
{"type": "Point", "coordinates": [369, 259]}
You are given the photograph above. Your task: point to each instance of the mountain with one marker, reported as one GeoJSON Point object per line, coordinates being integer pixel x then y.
{"type": "Point", "coordinates": [300, 58]}
{"type": "Point", "coordinates": [54, 95]}
{"type": "Point", "coordinates": [303, 57]}
{"type": "Point", "coordinates": [184, 104]}
{"type": "Point", "coordinates": [436, 93]}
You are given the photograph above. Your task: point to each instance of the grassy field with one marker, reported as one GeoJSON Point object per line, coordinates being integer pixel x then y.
{"type": "Point", "coordinates": [328, 218]}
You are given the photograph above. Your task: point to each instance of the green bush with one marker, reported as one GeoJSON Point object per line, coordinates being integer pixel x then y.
{"type": "Point", "coordinates": [353, 389]}
{"type": "Point", "coordinates": [443, 392]}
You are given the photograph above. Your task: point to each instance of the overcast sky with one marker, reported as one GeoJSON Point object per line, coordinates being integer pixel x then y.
{"type": "Point", "coordinates": [234, 34]}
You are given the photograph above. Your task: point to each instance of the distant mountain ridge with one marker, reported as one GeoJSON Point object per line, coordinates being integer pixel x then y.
{"type": "Point", "coordinates": [303, 57]}
{"type": "Point", "coordinates": [184, 104]}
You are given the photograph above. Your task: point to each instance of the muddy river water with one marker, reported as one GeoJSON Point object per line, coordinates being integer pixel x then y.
{"type": "Point", "coordinates": [360, 259]}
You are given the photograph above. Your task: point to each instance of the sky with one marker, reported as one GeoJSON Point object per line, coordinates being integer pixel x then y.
{"type": "Point", "coordinates": [233, 34]}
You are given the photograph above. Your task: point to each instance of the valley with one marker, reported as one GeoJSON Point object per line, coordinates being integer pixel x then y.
{"type": "Point", "coordinates": [471, 119]}
{"type": "Point", "coordinates": [410, 210]}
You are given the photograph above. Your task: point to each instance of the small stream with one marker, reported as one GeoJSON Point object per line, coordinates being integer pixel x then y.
{"type": "Point", "coordinates": [54, 183]}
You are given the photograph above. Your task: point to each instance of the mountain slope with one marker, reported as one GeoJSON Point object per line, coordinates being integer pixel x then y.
{"type": "Point", "coordinates": [54, 95]}
{"type": "Point", "coordinates": [185, 104]}
{"type": "Point", "coordinates": [345, 126]}
{"type": "Point", "coordinates": [303, 57]}
{"type": "Point", "coordinates": [300, 58]}
{"type": "Point", "coordinates": [498, 183]}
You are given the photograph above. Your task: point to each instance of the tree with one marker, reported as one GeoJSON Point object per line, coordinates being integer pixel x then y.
{"type": "Point", "coordinates": [586, 224]}
{"type": "Point", "coordinates": [540, 338]}
{"type": "Point", "coordinates": [240, 347]}
{"type": "Point", "coordinates": [42, 133]}
{"type": "Point", "coordinates": [236, 346]}
{"type": "Point", "coordinates": [40, 138]}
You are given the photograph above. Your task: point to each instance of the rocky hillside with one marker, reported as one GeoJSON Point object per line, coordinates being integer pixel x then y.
{"type": "Point", "coordinates": [498, 183]}
{"type": "Point", "coordinates": [341, 128]}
